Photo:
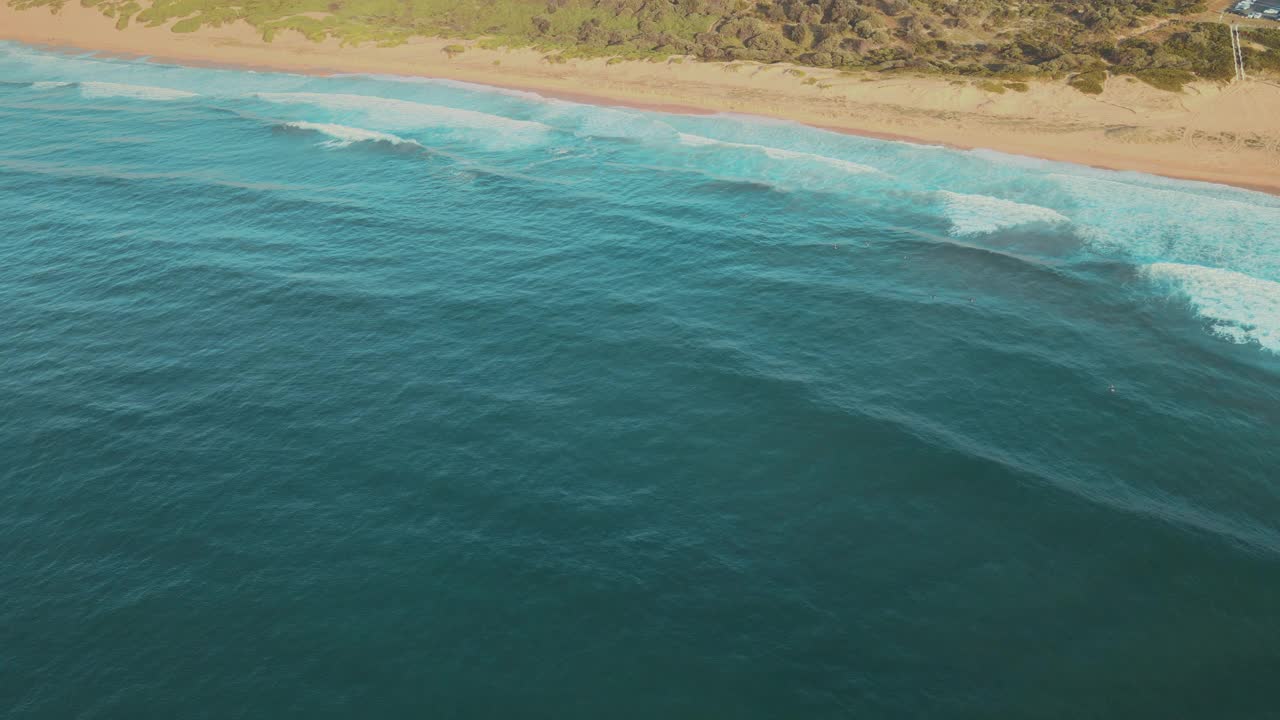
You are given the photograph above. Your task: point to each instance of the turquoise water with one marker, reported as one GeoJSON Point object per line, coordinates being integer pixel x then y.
{"type": "Point", "coordinates": [367, 397]}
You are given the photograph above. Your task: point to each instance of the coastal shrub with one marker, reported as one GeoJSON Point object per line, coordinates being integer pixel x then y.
{"type": "Point", "coordinates": [1090, 82]}
{"type": "Point", "coordinates": [453, 50]}
{"type": "Point", "coordinates": [1010, 42]}
{"type": "Point", "coordinates": [1267, 61]}
{"type": "Point", "coordinates": [1018, 86]}
{"type": "Point", "coordinates": [991, 86]}
{"type": "Point", "coordinates": [1205, 50]}
{"type": "Point", "coordinates": [1267, 37]}
{"type": "Point", "coordinates": [1170, 79]}
{"type": "Point", "coordinates": [125, 12]}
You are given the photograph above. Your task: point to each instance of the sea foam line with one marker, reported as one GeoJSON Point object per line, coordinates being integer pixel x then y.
{"type": "Point", "coordinates": [779, 153]}
{"type": "Point", "coordinates": [407, 114]}
{"type": "Point", "coordinates": [94, 89]}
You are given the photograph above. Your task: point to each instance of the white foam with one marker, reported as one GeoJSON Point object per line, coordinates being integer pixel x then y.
{"type": "Point", "coordinates": [406, 115]}
{"type": "Point", "coordinates": [138, 92]}
{"type": "Point", "coordinates": [1191, 224]}
{"type": "Point", "coordinates": [48, 85]}
{"type": "Point", "coordinates": [1240, 308]}
{"type": "Point", "coordinates": [456, 84]}
{"type": "Point", "coordinates": [602, 122]}
{"type": "Point", "coordinates": [779, 153]}
{"type": "Point", "coordinates": [343, 135]}
{"type": "Point", "coordinates": [979, 214]}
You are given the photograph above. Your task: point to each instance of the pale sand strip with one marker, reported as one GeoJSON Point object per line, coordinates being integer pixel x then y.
{"type": "Point", "coordinates": [1218, 134]}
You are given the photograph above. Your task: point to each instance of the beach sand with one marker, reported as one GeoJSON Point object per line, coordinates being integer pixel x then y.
{"type": "Point", "coordinates": [1225, 134]}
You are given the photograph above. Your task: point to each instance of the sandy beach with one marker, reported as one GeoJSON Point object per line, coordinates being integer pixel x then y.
{"type": "Point", "coordinates": [1214, 133]}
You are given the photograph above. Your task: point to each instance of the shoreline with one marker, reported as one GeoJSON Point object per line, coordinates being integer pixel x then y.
{"type": "Point", "coordinates": [1211, 134]}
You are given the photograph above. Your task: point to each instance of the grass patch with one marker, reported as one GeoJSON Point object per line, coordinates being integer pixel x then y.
{"type": "Point", "coordinates": [1089, 82]}
{"type": "Point", "coordinates": [1169, 79]}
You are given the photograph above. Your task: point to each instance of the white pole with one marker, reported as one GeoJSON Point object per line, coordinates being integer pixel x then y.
{"type": "Point", "coordinates": [1237, 53]}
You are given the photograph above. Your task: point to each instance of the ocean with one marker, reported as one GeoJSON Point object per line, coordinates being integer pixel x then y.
{"type": "Point", "coordinates": [375, 397]}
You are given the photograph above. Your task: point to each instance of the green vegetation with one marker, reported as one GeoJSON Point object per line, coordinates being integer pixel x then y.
{"type": "Point", "coordinates": [452, 50]}
{"type": "Point", "coordinates": [1267, 59]}
{"type": "Point", "coordinates": [1165, 78]}
{"type": "Point", "coordinates": [1089, 82]}
{"type": "Point", "coordinates": [1007, 42]}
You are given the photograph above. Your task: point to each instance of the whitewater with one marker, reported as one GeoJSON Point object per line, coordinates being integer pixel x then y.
{"type": "Point", "coordinates": [354, 396]}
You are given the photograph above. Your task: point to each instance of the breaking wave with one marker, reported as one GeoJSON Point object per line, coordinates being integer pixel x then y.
{"type": "Point", "coordinates": [980, 214]}
{"type": "Point", "coordinates": [343, 135]}
{"type": "Point", "coordinates": [1239, 307]}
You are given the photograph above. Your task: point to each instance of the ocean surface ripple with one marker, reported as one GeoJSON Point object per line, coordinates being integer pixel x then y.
{"type": "Point", "coordinates": [368, 397]}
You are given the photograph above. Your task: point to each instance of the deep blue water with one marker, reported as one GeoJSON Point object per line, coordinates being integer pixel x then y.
{"type": "Point", "coordinates": [361, 397]}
